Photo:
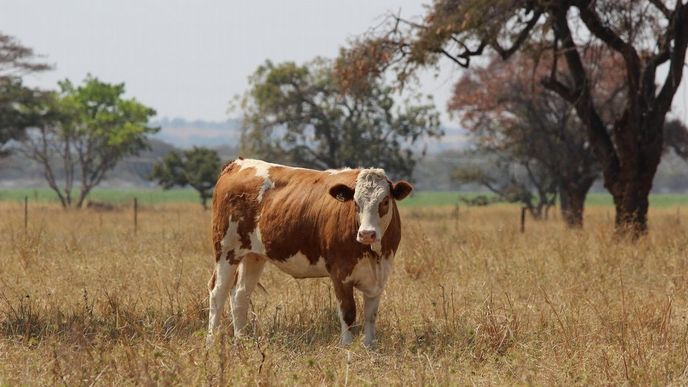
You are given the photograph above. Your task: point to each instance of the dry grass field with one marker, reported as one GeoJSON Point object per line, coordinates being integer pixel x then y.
{"type": "Point", "coordinates": [84, 300]}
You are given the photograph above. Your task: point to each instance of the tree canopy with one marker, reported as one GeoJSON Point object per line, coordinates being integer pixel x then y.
{"type": "Point", "coordinates": [300, 115]}
{"type": "Point", "coordinates": [197, 167]}
{"type": "Point", "coordinates": [514, 118]}
{"type": "Point", "coordinates": [16, 100]}
{"type": "Point", "coordinates": [83, 132]}
{"type": "Point", "coordinates": [645, 34]}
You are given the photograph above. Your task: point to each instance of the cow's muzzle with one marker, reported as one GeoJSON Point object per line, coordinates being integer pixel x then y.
{"type": "Point", "coordinates": [367, 237]}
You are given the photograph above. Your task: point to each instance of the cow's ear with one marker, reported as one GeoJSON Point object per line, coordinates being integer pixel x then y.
{"type": "Point", "coordinates": [401, 189]}
{"type": "Point", "coordinates": [342, 192]}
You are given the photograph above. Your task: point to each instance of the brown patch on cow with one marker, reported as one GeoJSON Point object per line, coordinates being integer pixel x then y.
{"type": "Point", "coordinates": [347, 303]}
{"type": "Point", "coordinates": [383, 207]}
{"type": "Point", "coordinates": [299, 215]}
{"type": "Point", "coordinates": [392, 237]}
{"type": "Point", "coordinates": [235, 197]}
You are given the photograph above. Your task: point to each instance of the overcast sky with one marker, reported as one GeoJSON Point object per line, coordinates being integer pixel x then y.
{"type": "Point", "coordinates": [187, 58]}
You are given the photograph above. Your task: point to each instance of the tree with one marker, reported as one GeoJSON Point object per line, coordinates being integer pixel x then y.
{"type": "Point", "coordinates": [676, 138]}
{"type": "Point", "coordinates": [515, 118]}
{"type": "Point", "coordinates": [299, 114]}
{"type": "Point", "coordinates": [16, 99]}
{"type": "Point", "coordinates": [512, 179]}
{"type": "Point", "coordinates": [197, 167]}
{"type": "Point", "coordinates": [645, 34]}
{"type": "Point", "coordinates": [84, 132]}
{"type": "Point", "coordinates": [17, 103]}
{"type": "Point", "coordinates": [17, 59]}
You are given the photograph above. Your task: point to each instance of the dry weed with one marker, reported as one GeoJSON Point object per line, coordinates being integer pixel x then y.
{"type": "Point", "coordinates": [84, 300]}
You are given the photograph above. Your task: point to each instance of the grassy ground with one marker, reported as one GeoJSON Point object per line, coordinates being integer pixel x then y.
{"type": "Point", "coordinates": [84, 300]}
{"type": "Point", "coordinates": [419, 199]}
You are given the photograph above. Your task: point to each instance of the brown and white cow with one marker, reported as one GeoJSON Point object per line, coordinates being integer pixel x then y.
{"type": "Point", "coordinates": [343, 224]}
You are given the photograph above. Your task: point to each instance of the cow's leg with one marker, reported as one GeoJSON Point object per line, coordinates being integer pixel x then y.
{"type": "Point", "coordinates": [370, 307]}
{"type": "Point", "coordinates": [347, 309]}
{"type": "Point", "coordinates": [218, 287]}
{"type": "Point", "coordinates": [249, 272]}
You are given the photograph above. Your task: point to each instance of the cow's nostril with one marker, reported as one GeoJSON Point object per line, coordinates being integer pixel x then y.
{"type": "Point", "coordinates": [368, 234]}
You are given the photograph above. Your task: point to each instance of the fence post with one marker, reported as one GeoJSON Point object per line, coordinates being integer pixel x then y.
{"type": "Point", "coordinates": [26, 214]}
{"type": "Point", "coordinates": [523, 219]}
{"type": "Point", "coordinates": [136, 215]}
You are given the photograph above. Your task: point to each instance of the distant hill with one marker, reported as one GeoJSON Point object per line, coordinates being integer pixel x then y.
{"type": "Point", "coordinates": [185, 133]}
{"type": "Point", "coordinates": [16, 171]}
{"type": "Point", "coordinates": [432, 172]}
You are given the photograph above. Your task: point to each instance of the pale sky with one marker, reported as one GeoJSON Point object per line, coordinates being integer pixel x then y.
{"type": "Point", "coordinates": [188, 58]}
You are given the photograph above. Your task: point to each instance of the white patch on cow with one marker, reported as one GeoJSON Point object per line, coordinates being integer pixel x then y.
{"type": "Point", "coordinates": [370, 308]}
{"type": "Point", "coordinates": [257, 241]}
{"type": "Point", "coordinates": [371, 189]}
{"type": "Point", "coordinates": [298, 266]}
{"type": "Point", "coordinates": [337, 171]}
{"type": "Point", "coordinates": [224, 277]}
{"type": "Point", "coordinates": [377, 246]}
{"type": "Point", "coordinates": [370, 274]}
{"type": "Point", "coordinates": [347, 338]}
{"type": "Point", "coordinates": [231, 239]}
{"type": "Point", "coordinates": [262, 170]}
{"type": "Point", "coordinates": [249, 272]}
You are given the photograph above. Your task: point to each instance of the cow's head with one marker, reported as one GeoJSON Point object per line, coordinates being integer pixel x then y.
{"type": "Point", "coordinates": [373, 195]}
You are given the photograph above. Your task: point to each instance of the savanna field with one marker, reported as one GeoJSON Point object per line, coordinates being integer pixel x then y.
{"type": "Point", "coordinates": [86, 300]}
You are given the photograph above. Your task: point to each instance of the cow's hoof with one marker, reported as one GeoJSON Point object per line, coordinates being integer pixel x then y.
{"type": "Point", "coordinates": [347, 339]}
{"type": "Point", "coordinates": [209, 340]}
{"type": "Point", "coordinates": [241, 335]}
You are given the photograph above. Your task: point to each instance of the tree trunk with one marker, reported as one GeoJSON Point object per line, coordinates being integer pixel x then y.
{"type": "Point", "coordinates": [536, 211]}
{"type": "Point", "coordinates": [83, 193]}
{"type": "Point", "coordinates": [204, 201]}
{"type": "Point", "coordinates": [631, 186]}
{"type": "Point", "coordinates": [631, 199]}
{"type": "Point", "coordinates": [572, 204]}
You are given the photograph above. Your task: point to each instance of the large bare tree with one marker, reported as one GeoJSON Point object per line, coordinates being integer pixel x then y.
{"type": "Point", "coordinates": [509, 114]}
{"type": "Point", "coordinates": [646, 34]}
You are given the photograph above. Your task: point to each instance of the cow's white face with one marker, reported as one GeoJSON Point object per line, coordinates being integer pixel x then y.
{"type": "Point", "coordinates": [372, 195]}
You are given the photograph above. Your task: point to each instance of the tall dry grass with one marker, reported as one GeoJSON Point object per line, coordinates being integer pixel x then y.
{"type": "Point", "coordinates": [84, 300]}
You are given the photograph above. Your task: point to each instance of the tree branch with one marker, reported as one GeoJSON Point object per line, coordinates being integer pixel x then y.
{"type": "Point", "coordinates": [661, 7]}
{"type": "Point", "coordinates": [677, 60]}
{"type": "Point", "coordinates": [520, 38]}
{"type": "Point", "coordinates": [613, 40]}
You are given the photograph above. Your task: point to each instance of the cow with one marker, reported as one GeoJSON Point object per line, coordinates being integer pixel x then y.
{"type": "Point", "coordinates": [343, 224]}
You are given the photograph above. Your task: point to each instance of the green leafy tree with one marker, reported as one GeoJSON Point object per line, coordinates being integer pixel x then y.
{"type": "Point", "coordinates": [83, 132]}
{"type": "Point", "coordinates": [646, 34]}
{"type": "Point", "coordinates": [299, 114]}
{"type": "Point", "coordinates": [197, 167]}
{"type": "Point", "coordinates": [19, 106]}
